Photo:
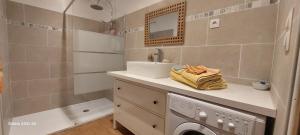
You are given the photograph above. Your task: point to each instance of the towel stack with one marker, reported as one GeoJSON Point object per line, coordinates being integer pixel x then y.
{"type": "Point", "coordinates": [199, 77]}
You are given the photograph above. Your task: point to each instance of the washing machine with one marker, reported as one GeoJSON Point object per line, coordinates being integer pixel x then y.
{"type": "Point", "coordinates": [189, 116]}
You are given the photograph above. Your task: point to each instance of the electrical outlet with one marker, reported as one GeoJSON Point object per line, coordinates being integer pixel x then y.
{"type": "Point", "coordinates": [214, 23]}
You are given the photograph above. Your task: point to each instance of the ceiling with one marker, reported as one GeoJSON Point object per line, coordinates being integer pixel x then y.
{"type": "Point", "coordinates": [82, 8]}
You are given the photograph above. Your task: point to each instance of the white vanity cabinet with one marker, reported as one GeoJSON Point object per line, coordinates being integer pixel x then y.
{"type": "Point", "coordinates": [139, 108]}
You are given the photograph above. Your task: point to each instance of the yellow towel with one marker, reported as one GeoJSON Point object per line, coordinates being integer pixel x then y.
{"type": "Point", "coordinates": [178, 77]}
{"type": "Point", "coordinates": [211, 79]}
{"type": "Point", "coordinates": [210, 74]}
{"type": "Point", "coordinates": [209, 85]}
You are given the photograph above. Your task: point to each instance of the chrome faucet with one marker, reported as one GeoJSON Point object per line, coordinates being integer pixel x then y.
{"type": "Point", "coordinates": [157, 55]}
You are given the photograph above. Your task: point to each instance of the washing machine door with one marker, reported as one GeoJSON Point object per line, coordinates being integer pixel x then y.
{"type": "Point", "coordinates": [192, 129]}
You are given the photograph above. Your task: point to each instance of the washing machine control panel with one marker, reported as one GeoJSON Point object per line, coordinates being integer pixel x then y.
{"type": "Point", "coordinates": [233, 121]}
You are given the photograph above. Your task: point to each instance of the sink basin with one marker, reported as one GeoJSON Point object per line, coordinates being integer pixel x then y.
{"type": "Point", "coordinates": [149, 69]}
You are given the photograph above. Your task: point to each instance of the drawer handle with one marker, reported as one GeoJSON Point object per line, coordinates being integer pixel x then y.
{"type": "Point", "coordinates": [118, 105]}
{"type": "Point", "coordinates": [154, 126]}
{"type": "Point", "coordinates": [119, 88]}
{"type": "Point", "coordinates": [155, 102]}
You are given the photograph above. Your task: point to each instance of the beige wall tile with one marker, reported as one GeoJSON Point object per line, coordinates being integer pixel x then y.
{"type": "Point", "coordinates": [199, 6]}
{"type": "Point", "coordinates": [27, 36]}
{"type": "Point", "coordinates": [283, 66]}
{"type": "Point", "coordinates": [250, 26]}
{"type": "Point", "coordinates": [169, 53]}
{"type": "Point", "coordinates": [37, 15]}
{"type": "Point", "coordinates": [56, 38]}
{"type": "Point", "coordinates": [19, 89]}
{"type": "Point", "coordinates": [256, 61]}
{"type": "Point", "coordinates": [156, 6]}
{"type": "Point", "coordinates": [56, 54]}
{"type": "Point", "coordinates": [136, 19]}
{"type": "Point", "coordinates": [59, 70]}
{"type": "Point", "coordinates": [88, 25]}
{"type": "Point", "coordinates": [17, 53]}
{"type": "Point", "coordinates": [37, 88]}
{"type": "Point", "coordinates": [37, 54]}
{"type": "Point", "coordinates": [15, 11]}
{"type": "Point", "coordinates": [130, 40]}
{"type": "Point", "coordinates": [31, 105]}
{"type": "Point", "coordinates": [136, 55]}
{"type": "Point", "coordinates": [239, 80]}
{"type": "Point", "coordinates": [225, 58]}
{"type": "Point", "coordinates": [196, 32]}
{"type": "Point", "coordinates": [3, 32]}
{"type": "Point", "coordinates": [135, 40]}
{"type": "Point", "coordinates": [27, 71]}
{"type": "Point", "coordinates": [280, 122]}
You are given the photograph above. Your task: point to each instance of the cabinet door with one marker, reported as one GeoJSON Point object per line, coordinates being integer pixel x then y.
{"type": "Point", "coordinates": [151, 100]}
{"type": "Point", "coordinates": [137, 120]}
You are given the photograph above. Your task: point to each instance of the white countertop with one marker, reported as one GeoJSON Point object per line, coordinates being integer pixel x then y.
{"type": "Point", "coordinates": [236, 96]}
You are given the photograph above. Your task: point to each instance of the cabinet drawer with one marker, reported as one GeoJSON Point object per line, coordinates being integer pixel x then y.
{"type": "Point", "coordinates": [151, 100]}
{"type": "Point", "coordinates": [137, 120]}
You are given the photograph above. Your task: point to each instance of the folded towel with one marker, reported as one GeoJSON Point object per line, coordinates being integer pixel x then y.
{"type": "Point", "coordinates": [197, 70]}
{"type": "Point", "coordinates": [208, 79]}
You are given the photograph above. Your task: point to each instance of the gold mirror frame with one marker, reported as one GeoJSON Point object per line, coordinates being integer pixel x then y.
{"type": "Point", "coordinates": [179, 39]}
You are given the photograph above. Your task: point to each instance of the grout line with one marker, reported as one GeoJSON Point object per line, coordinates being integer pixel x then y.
{"type": "Point", "coordinates": [181, 52]}
{"type": "Point", "coordinates": [240, 61]}
{"type": "Point", "coordinates": [207, 30]}
{"type": "Point", "coordinates": [24, 14]}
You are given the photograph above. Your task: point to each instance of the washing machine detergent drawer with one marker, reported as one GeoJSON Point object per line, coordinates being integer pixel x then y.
{"type": "Point", "coordinates": [232, 121]}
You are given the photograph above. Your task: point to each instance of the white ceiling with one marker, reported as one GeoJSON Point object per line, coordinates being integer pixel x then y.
{"type": "Point", "coordinates": [82, 8]}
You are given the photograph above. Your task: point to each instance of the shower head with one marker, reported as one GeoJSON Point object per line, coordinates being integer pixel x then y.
{"type": "Point", "coordinates": [96, 7]}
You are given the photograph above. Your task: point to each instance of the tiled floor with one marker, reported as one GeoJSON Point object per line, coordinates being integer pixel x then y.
{"type": "Point", "coordinates": [99, 127]}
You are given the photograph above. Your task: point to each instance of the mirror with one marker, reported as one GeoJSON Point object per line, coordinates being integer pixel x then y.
{"type": "Point", "coordinates": [165, 26]}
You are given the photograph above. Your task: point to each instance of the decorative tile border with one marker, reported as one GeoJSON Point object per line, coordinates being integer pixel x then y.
{"type": "Point", "coordinates": [227, 10]}
{"type": "Point", "coordinates": [31, 25]}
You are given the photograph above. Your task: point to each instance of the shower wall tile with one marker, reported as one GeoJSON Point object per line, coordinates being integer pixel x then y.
{"type": "Point", "coordinates": [3, 32]}
{"type": "Point", "coordinates": [40, 87]}
{"type": "Point", "coordinates": [250, 26]}
{"type": "Point", "coordinates": [57, 39]}
{"type": "Point", "coordinates": [27, 106]}
{"type": "Point", "coordinates": [37, 15]}
{"type": "Point", "coordinates": [37, 54]}
{"type": "Point", "coordinates": [15, 11]}
{"type": "Point", "coordinates": [60, 70]}
{"type": "Point", "coordinates": [27, 36]}
{"type": "Point", "coordinates": [19, 89]}
{"type": "Point", "coordinates": [87, 24]}
{"type": "Point", "coordinates": [17, 53]}
{"type": "Point", "coordinates": [29, 71]}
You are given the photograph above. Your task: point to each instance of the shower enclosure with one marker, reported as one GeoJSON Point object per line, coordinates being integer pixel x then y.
{"type": "Point", "coordinates": [92, 45]}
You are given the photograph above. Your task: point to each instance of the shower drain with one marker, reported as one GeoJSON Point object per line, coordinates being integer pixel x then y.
{"type": "Point", "coordinates": [86, 110]}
